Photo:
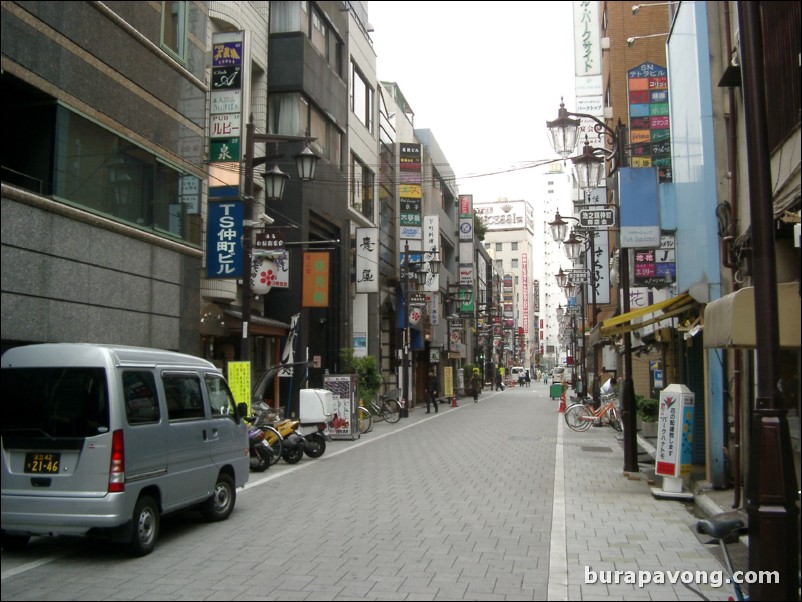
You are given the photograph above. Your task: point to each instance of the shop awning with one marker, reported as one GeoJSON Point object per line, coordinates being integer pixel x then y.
{"type": "Point", "coordinates": [662, 310]}
{"type": "Point", "coordinates": [730, 321]}
{"type": "Point", "coordinates": [258, 324]}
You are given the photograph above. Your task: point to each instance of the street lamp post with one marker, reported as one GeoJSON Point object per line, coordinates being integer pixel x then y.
{"type": "Point", "coordinates": [573, 248]}
{"type": "Point", "coordinates": [306, 162]}
{"type": "Point", "coordinates": [421, 274]}
{"type": "Point", "coordinates": [589, 169]}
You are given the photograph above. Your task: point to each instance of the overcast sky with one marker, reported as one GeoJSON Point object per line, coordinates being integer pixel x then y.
{"type": "Point", "coordinates": [485, 78]}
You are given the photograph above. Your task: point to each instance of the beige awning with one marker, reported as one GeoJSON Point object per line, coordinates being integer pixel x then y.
{"type": "Point", "coordinates": [730, 321]}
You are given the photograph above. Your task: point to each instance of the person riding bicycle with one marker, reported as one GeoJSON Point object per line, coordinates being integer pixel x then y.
{"type": "Point", "coordinates": [607, 388]}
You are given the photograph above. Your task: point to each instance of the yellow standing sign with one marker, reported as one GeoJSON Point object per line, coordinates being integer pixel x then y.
{"type": "Point", "coordinates": [239, 381]}
{"type": "Point", "coordinates": [448, 382]}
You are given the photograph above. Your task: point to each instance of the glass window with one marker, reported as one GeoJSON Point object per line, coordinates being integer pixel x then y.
{"type": "Point", "coordinates": [514, 246]}
{"type": "Point", "coordinates": [286, 16]}
{"type": "Point", "coordinates": [174, 27]}
{"type": "Point", "coordinates": [319, 34]}
{"type": "Point", "coordinates": [182, 393]}
{"type": "Point", "coordinates": [141, 397]}
{"type": "Point", "coordinates": [514, 263]}
{"type": "Point", "coordinates": [362, 185]}
{"type": "Point", "coordinates": [498, 246]}
{"type": "Point", "coordinates": [361, 98]}
{"type": "Point", "coordinates": [55, 402]}
{"type": "Point", "coordinates": [221, 400]}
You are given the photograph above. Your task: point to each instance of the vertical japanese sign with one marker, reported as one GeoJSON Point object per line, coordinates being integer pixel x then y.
{"type": "Point", "coordinates": [239, 381]}
{"type": "Point", "coordinates": [410, 157]}
{"type": "Point", "coordinates": [674, 431]}
{"type": "Point", "coordinates": [316, 279]}
{"type": "Point", "coordinates": [225, 107]}
{"type": "Point", "coordinates": [224, 239]}
{"type": "Point", "coordinates": [431, 238]}
{"type": "Point", "coordinates": [367, 260]}
{"type": "Point", "coordinates": [650, 134]}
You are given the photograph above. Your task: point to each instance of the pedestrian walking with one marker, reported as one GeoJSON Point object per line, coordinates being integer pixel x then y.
{"type": "Point", "coordinates": [499, 383]}
{"type": "Point", "coordinates": [431, 392]}
{"type": "Point", "coordinates": [527, 379]}
{"type": "Point", "coordinates": [475, 386]}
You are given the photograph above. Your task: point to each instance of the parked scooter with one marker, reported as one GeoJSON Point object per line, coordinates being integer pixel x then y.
{"type": "Point", "coordinates": [264, 447]}
{"type": "Point", "coordinates": [297, 443]}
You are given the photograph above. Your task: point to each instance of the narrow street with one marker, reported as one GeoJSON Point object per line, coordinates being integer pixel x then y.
{"type": "Point", "coordinates": [489, 501]}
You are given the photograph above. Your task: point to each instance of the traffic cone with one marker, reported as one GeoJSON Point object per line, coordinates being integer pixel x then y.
{"type": "Point", "coordinates": [562, 403]}
{"type": "Point", "coordinates": [454, 401]}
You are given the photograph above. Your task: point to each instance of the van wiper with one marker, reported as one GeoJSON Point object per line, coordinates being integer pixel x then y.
{"type": "Point", "coordinates": [30, 432]}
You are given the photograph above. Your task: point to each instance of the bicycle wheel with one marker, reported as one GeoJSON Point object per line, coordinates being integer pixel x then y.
{"type": "Point", "coordinates": [363, 420]}
{"type": "Point", "coordinates": [391, 410]}
{"type": "Point", "coordinates": [574, 417]}
{"type": "Point", "coordinates": [274, 439]}
{"type": "Point", "coordinates": [614, 417]}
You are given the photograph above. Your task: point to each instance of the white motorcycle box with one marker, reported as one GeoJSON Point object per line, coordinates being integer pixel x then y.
{"type": "Point", "coordinates": [316, 405]}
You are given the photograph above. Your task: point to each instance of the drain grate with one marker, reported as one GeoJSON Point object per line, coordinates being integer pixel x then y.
{"type": "Point", "coordinates": [596, 449]}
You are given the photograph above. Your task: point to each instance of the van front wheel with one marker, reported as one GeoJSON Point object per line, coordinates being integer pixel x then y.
{"type": "Point", "coordinates": [221, 503]}
{"type": "Point", "coordinates": [144, 526]}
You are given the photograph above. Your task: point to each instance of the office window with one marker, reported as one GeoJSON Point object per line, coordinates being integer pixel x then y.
{"type": "Point", "coordinates": [174, 28]}
{"type": "Point", "coordinates": [362, 185]}
{"type": "Point", "coordinates": [361, 98]}
{"type": "Point", "coordinates": [498, 246]}
{"type": "Point", "coordinates": [319, 34]}
{"type": "Point", "coordinates": [514, 246]}
{"type": "Point", "coordinates": [514, 264]}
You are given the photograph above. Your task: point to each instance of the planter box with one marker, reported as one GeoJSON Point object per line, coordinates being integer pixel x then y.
{"type": "Point", "coordinates": [649, 429]}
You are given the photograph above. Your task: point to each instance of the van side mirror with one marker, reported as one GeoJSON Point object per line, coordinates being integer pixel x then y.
{"type": "Point", "coordinates": [242, 410]}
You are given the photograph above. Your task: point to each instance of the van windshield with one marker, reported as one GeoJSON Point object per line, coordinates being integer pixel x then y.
{"type": "Point", "coordinates": [54, 402]}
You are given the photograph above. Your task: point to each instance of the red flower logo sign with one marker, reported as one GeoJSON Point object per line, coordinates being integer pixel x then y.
{"type": "Point", "coordinates": [415, 315]}
{"type": "Point", "coordinates": [264, 277]}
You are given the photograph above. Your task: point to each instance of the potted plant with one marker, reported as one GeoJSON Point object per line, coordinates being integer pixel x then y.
{"type": "Point", "coordinates": [648, 411]}
{"type": "Point", "coordinates": [367, 370]}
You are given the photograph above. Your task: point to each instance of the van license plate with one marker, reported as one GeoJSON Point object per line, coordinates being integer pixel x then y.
{"type": "Point", "coordinates": [42, 463]}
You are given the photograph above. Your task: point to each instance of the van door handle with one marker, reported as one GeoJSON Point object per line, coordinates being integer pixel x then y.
{"type": "Point", "coordinates": [214, 436]}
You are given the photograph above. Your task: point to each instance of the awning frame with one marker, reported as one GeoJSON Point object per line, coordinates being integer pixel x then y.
{"type": "Point", "coordinates": [623, 323]}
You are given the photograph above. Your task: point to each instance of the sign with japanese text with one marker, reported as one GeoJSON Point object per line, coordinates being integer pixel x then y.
{"type": "Point", "coordinates": [674, 431]}
{"type": "Point", "coordinates": [316, 279]}
{"type": "Point", "coordinates": [650, 132]}
{"type": "Point", "coordinates": [224, 239]}
{"type": "Point", "coordinates": [225, 106]}
{"type": "Point", "coordinates": [345, 392]}
{"type": "Point", "coordinates": [367, 260]}
{"type": "Point", "coordinates": [239, 381]}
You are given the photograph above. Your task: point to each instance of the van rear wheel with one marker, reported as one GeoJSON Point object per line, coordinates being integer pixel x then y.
{"type": "Point", "coordinates": [14, 542]}
{"type": "Point", "coordinates": [144, 526]}
{"type": "Point", "coordinates": [221, 503]}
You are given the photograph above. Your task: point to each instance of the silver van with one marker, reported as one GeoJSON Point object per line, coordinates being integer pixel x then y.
{"type": "Point", "coordinates": [103, 439]}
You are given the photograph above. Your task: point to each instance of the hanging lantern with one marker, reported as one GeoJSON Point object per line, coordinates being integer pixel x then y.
{"type": "Point", "coordinates": [415, 315]}
{"type": "Point", "coordinates": [263, 277]}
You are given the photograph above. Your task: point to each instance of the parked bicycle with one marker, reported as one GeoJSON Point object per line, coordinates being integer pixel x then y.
{"type": "Point", "coordinates": [581, 416]}
{"type": "Point", "coordinates": [388, 409]}
{"type": "Point", "coordinates": [720, 530]}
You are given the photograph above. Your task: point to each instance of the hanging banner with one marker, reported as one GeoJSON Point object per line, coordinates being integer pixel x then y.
{"type": "Point", "coordinates": [367, 260]}
{"type": "Point", "coordinates": [288, 354]}
{"type": "Point", "coordinates": [316, 279]}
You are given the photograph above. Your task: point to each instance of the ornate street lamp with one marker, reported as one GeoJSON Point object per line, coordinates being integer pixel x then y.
{"type": "Point", "coordinates": [589, 168]}
{"type": "Point", "coordinates": [275, 179]}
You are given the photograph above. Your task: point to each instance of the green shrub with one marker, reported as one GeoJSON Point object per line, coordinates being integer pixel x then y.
{"type": "Point", "coordinates": [367, 371]}
{"type": "Point", "coordinates": [648, 408]}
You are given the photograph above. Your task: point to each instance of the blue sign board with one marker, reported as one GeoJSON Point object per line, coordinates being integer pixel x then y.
{"type": "Point", "coordinates": [639, 207]}
{"type": "Point", "coordinates": [224, 239]}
